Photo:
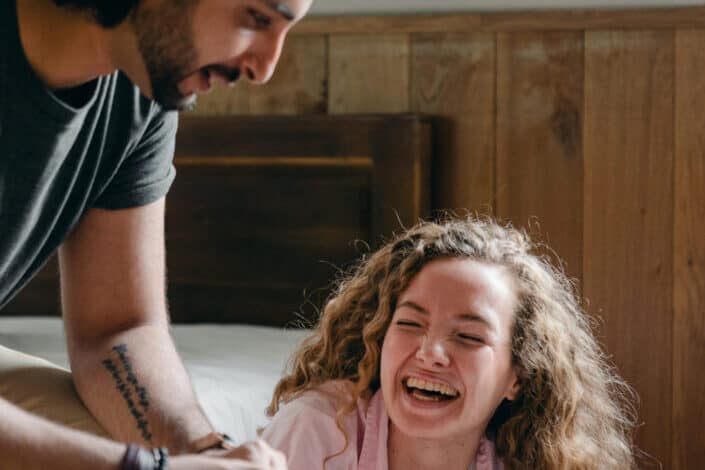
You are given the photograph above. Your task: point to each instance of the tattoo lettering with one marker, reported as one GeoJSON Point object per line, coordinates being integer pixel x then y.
{"type": "Point", "coordinates": [126, 383]}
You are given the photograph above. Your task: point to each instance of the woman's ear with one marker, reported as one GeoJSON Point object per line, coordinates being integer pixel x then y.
{"type": "Point", "coordinates": [514, 388]}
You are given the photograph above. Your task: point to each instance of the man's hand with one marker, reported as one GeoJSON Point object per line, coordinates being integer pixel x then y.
{"type": "Point", "coordinates": [254, 455]}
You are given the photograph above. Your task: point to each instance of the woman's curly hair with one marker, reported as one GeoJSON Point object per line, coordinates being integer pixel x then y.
{"type": "Point", "coordinates": [572, 412]}
{"type": "Point", "coordinates": [108, 13]}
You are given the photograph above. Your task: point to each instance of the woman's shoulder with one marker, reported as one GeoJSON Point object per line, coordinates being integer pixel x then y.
{"type": "Point", "coordinates": [308, 428]}
{"type": "Point", "coordinates": [325, 399]}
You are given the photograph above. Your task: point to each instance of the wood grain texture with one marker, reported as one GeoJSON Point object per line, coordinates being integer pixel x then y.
{"type": "Point", "coordinates": [280, 161]}
{"type": "Point", "coordinates": [298, 85]}
{"type": "Point", "coordinates": [41, 296]}
{"type": "Point", "coordinates": [453, 79]}
{"type": "Point", "coordinates": [253, 243]}
{"type": "Point", "coordinates": [368, 74]}
{"type": "Point", "coordinates": [689, 247]}
{"type": "Point", "coordinates": [628, 215]}
{"type": "Point", "coordinates": [539, 139]}
{"type": "Point", "coordinates": [402, 150]}
{"type": "Point", "coordinates": [537, 20]}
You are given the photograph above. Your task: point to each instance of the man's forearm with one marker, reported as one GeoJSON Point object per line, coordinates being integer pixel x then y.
{"type": "Point", "coordinates": [136, 386]}
{"type": "Point", "coordinates": [28, 442]}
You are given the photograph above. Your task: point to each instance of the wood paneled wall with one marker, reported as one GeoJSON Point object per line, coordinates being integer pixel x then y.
{"type": "Point", "coordinates": [587, 127]}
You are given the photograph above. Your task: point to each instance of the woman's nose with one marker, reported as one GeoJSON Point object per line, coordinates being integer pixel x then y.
{"type": "Point", "coordinates": [432, 352]}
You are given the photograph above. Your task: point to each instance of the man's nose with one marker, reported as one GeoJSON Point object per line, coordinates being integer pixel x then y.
{"type": "Point", "coordinates": [260, 64]}
{"type": "Point", "coordinates": [432, 352]}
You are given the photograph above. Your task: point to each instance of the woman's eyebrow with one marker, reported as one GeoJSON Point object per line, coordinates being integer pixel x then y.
{"type": "Point", "coordinates": [414, 306]}
{"type": "Point", "coordinates": [469, 317]}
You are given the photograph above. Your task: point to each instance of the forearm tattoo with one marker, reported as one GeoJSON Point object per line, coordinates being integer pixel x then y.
{"type": "Point", "coordinates": [129, 386]}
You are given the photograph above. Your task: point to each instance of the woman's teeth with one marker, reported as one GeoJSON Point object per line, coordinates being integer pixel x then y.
{"type": "Point", "coordinates": [433, 387]}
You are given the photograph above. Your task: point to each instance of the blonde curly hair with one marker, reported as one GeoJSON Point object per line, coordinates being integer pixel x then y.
{"type": "Point", "coordinates": [572, 412]}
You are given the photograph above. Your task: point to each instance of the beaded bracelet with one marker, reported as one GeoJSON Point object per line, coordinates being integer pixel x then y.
{"type": "Point", "coordinates": [138, 458]}
{"type": "Point", "coordinates": [161, 457]}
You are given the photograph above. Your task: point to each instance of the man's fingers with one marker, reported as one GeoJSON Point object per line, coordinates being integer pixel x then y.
{"type": "Point", "coordinates": [258, 453]}
{"type": "Point", "coordinates": [255, 455]}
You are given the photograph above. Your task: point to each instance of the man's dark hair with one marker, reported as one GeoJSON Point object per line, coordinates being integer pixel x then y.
{"type": "Point", "coordinates": [108, 13]}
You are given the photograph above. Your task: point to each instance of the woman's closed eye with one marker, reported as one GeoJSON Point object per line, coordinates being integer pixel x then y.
{"type": "Point", "coordinates": [408, 324]}
{"type": "Point", "coordinates": [469, 338]}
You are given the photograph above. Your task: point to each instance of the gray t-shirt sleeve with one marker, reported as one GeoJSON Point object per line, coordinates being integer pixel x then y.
{"type": "Point", "coordinates": [147, 172]}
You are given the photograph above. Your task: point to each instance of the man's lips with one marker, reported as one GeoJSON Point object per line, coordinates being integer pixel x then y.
{"type": "Point", "coordinates": [202, 80]}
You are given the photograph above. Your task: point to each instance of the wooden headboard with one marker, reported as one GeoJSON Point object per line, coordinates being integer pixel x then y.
{"type": "Point", "coordinates": [265, 210]}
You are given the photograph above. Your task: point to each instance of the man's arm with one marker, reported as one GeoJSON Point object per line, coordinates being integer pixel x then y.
{"type": "Point", "coordinates": [32, 443]}
{"type": "Point", "coordinates": [28, 442]}
{"type": "Point", "coordinates": [124, 363]}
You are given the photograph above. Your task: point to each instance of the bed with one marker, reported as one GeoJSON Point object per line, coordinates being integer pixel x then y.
{"type": "Point", "coordinates": [264, 213]}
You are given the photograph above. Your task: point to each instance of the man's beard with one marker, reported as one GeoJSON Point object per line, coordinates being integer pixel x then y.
{"type": "Point", "coordinates": [166, 42]}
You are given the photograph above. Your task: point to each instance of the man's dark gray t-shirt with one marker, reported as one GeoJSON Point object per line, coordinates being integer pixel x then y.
{"type": "Point", "coordinates": [57, 161]}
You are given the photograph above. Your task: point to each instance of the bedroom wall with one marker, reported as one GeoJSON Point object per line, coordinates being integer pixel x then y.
{"type": "Point", "coordinates": [585, 126]}
{"type": "Point", "coordinates": [362, 7]}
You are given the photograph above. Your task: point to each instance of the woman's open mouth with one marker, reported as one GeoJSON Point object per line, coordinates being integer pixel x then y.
{"type": "Point", "coordinates": [429, 391]}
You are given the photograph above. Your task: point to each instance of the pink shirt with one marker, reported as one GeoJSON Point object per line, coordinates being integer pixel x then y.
{"type": "Point", "coordinates": [305, 430]}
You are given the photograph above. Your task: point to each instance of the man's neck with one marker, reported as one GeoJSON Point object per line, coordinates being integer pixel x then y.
{"type": "Point", "coordinates": [66, 47]}
{"type": "Point", "coordinates": [406, 452]}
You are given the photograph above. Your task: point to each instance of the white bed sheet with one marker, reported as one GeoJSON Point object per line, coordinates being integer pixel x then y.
{"type": "Point", "coordinates": [234, 368]}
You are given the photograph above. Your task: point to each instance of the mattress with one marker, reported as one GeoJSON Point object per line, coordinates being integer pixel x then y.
{"type": "Point", "coordinates": [234, 368]}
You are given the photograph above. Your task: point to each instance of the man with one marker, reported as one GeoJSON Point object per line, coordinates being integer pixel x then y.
{"type": "Point", "coordinates": [87, 90]}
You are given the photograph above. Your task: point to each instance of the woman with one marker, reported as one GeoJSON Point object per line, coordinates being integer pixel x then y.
{"type": "Point", "coordinates": [453, 347]}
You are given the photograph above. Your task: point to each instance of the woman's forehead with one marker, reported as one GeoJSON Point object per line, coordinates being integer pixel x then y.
{"type": "Point", "coordinates": [464, 286]}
